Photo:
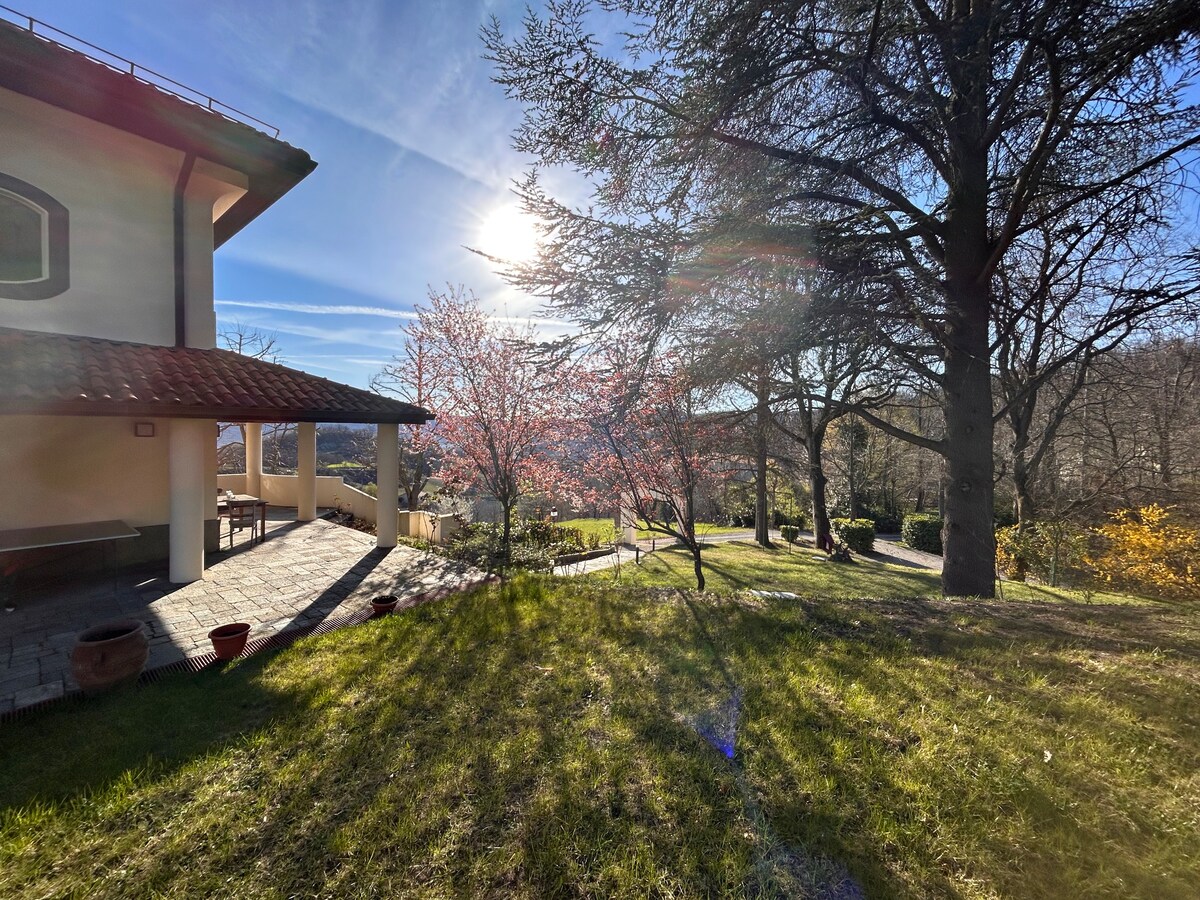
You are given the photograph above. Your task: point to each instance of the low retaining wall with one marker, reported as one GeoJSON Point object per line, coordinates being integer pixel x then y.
{"type": "Point", "coordinates": [334, 493]}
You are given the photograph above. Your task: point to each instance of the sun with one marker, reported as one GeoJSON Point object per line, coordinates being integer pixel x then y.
{"type": "Point", "coordinates": [508, 234]}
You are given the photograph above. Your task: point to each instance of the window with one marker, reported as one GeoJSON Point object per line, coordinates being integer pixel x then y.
{"type": "Point", "coordinates": [33, 242]}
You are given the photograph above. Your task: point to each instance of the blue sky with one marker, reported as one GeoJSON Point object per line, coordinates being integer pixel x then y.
{"type": "Point", "coordinates": [411, 139]}
{"type": "Point", "coordinates": [394, 102]}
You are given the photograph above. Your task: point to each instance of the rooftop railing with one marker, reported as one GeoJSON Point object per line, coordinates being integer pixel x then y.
{"type": "Point", "coordinates": [117, 63]}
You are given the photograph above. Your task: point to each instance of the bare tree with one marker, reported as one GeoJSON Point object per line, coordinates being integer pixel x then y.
{"type": "Point", "coordinates": [231, 436]}
{"type": "Point", "coordinates": [903, 144]}
{"type": "Point", "coordinates": [1066, 297]}
{"type": "Point", "coordinates": [653, 442]}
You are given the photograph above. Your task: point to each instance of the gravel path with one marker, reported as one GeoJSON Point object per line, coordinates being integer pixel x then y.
{"type": "Point", "coordinates": [887, 550]}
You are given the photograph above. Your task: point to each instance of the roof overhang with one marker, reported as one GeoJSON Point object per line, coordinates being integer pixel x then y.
{"type": "Point", "coordinates": [50, 374]}
{"type": "Point", "coordinates": [228, 413]}
{"type": "Point", "coordinates": [36, 67]}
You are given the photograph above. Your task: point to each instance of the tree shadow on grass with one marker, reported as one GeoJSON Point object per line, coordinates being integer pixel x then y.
{"type": "Point", "coordinates": [149, 727]}
{"type": "Point", "coordinates": [837, 775]}
{"type": "Point", "coordinates": [539, 738]}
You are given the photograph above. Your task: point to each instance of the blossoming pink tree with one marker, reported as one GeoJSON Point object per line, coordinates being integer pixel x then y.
{"type": "Point", "coordinates": [652, 444]}
{"type": "Point", "coordinates": [504, 412]}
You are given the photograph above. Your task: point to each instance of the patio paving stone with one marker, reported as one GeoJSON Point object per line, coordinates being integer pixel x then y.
{"type": "Point", "coordinates": [300, 574]}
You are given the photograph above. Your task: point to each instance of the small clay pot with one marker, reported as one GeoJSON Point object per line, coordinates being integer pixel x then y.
{"type": "Point", "coordinates": [110, 655]}
{"type": "Point", "coordinates": [229, 640]}
{"type": "Point", "coordinates": [384, 605]}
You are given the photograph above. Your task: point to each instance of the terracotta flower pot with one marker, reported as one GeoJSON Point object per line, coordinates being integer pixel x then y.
{"type": "Point", "coordinates": [384, 605]}
{"type": "Point", "coordinates": [109, 655]}
{"type": "Point", "coordinates": [229, 640]}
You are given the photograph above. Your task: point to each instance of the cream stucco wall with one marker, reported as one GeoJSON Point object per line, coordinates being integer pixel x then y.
{"type": "Point", "coordinates": [119, 193]}
{"type": "Point", "coordinates": [62, 470]}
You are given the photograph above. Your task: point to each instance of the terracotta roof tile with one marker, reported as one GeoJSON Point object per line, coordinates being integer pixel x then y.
{"type": "Point", "coordinates": [60, 374]}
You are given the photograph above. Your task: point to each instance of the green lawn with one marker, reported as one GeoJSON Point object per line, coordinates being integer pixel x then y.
{"type": "Point", "coordinates": [604, 529]}
{"type": "Point", "coordinates": [571, 738]}
{"type": "Point", "coordinates": [741, 565]}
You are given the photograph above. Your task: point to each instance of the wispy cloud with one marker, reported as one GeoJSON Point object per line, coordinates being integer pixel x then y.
{"type": "Point", "coordinates": [323, 309]}
{"type": "Point", "coordinates": [348, 309]}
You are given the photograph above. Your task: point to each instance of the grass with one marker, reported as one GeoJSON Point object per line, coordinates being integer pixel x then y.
{"type": "Point", "coordinates": [603, 528]}
{"type": "Point", "coordinates": [741, 565]}
{"type": "Point", "coordinates": [572, 738]}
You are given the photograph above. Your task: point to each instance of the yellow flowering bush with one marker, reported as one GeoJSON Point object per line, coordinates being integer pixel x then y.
{"type": "Point", "coordinates": [1142, 549]}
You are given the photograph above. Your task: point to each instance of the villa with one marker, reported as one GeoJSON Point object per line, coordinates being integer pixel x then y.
{"type": "Point", "coordinates": [117, 186]}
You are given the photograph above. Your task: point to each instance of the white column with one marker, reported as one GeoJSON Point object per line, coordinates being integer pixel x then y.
{"type": "Point", "coordinates": [210, 471]}
{"type": "Point", "coordinates": [254, 459]}
{"type": "Point", "coordinates": [387, 479]}
{"type": "Point", "coordinates": [306, 471]}
{"type": "Point", "coordinates": [186, 451]}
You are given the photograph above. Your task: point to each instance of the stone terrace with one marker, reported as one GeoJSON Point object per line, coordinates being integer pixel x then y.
{"type": "Point", "coordinates": [300, 574]}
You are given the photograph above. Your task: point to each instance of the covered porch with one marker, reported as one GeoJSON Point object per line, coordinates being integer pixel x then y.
{"type": "Point", "coordinates": [303, 573]}
{"type": "Point", "coordinates": [114, 430]}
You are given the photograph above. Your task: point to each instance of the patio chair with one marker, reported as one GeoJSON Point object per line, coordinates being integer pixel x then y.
{"type": "Point", "coordinates": [242, 515]}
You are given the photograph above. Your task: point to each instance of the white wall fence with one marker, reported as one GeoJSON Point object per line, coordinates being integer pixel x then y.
{"type": "Point", "coordinates": [334, 493]}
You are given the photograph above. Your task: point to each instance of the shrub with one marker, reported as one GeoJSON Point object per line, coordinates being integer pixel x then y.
{"type": "Point", "coordinates": [1050, 551]}
{"type": "Point", "coordinates": [789, 533]}
{"type": "Point", "coordinates": [478, 544]}
{"type": "Point", "coordinates": [1004, 515]}
{"type": "Point", "coordinates": [923, 531]}
{"type": "Point", "coordinates": [886, 521]}
{"type": "Point", "coordinates": [539, 533]}
{"type": "Point", "coordinates": [1141, 549]}
{"type": "Point", "coordinates": [857, 534]}
{"type": "Point", "coordinates": [779, 519]}
{"type": "Point", "coordinates": [534, 558]}
{"type": "Point", "coordinates": [534, 545]}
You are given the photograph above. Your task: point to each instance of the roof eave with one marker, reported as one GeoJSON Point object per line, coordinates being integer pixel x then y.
{"type": "Point", "coordinates": [129, 410]}
{"type": "Point", "coordinates": [61, 77]}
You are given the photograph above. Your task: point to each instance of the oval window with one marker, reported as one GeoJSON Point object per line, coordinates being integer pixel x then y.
{"type": "Point", "coordinates": [33, 242]}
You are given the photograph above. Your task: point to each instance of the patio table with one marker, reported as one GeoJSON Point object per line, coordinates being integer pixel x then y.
{"type": "Point", "coordinates": [223, 504]}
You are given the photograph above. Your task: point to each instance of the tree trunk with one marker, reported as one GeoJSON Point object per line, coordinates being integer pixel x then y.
{"type": "Point", "coordinates": [1026, 507]}
{"type": "Point", "coordinates": [762, 524]}
{"type": "Point", "coordinates": [968, 537]}
{"type": "Point", "coordinates": [506, 539]}
{"type": "Point", "coordinates": [816, 483]}
{"type": "Point", "coordinates": [762, 423]}
{"type": "Point", "coordinates": [688, 529]}
{"type": "Point", "coordinates": [852, 471]}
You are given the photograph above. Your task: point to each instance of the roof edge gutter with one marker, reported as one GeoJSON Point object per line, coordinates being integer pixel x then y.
{"type": "Point", "coordinates": [181, 183]}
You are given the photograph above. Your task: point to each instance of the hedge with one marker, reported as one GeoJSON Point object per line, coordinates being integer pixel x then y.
{"type": "Point", "coordinates": [923, 531]}
{"type": "Point", "coordinates": [857, 534]}
{"type": "Point", "coordinates": [789, 533]}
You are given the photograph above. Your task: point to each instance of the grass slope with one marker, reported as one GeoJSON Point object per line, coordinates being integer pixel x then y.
{"type": "Point", "coordinates": [741, 565]}
{"type": "Point", "coordinates": [569, 738]}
